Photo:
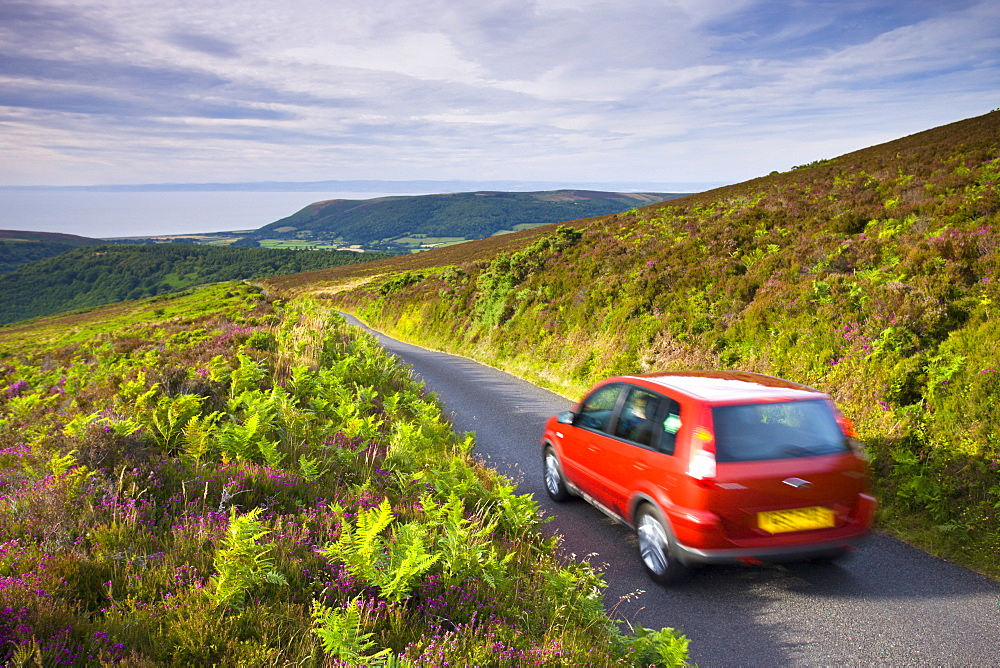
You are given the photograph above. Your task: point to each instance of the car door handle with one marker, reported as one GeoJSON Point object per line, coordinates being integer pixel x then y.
{"type": "Point", "coordinates": [639, 467]}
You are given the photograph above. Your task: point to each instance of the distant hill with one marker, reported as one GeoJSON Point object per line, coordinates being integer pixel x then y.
{"type": "Point", "coordinates": [97, 275]}
{"type": "Point", "coordinates": [18, 248]}
{"type": "Point", "coordinates": [471, 215]}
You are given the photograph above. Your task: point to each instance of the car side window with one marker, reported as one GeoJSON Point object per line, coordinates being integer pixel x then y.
{"type": "Point", "coordinates": [637, 420]}
{"type": "Point", "coordinates": [597, 408]}
{"type": "Point", "coordinates": [670, 414]}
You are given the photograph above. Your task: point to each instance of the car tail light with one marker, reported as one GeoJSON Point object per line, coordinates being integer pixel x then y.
{"type": "Point", "coordinates": [701, 465]}
{"type": "Point", "coordinates": [847, 426]}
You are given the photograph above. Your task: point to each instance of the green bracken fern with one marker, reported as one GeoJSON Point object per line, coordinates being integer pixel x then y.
{"type": "Point", "coordinates": [242, 562]}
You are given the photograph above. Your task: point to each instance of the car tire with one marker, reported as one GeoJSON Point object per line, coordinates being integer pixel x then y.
{"type": "Point", "coordinates": [552, 474]}
{"type": "Point", "coordinates": [656, 548]}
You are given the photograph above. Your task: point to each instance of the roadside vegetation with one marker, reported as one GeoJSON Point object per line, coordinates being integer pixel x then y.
{"type": "Point", "coordinates": [217, 477]}
{"type": "Point", "coordinates": [874, 276]}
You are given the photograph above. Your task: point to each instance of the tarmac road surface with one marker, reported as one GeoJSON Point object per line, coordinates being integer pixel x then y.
{"type": "Point", "coordinates": [889, 604]}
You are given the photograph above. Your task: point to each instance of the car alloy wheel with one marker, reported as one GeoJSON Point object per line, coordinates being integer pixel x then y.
{"type": "Point", "coordinates": [655, 550]}
{"type": "Point", "coordinates": [554, 483]}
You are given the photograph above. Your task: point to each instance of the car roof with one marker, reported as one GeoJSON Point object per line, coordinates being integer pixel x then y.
{"type": "Point", "coordinates": [731, 386]}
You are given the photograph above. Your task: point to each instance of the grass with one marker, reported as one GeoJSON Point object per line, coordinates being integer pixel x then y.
{"type": "Point", "coordinates": [224, 478]}
{"type": "Point", "coordinates": [299, 245]}
{"type": "Point", "coordinates": [518, 228]}
{"type": "Point", "coordinates": [422, 241]}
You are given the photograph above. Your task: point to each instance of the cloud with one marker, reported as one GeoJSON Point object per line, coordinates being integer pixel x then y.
{"type": "Point", "coordinates": [204, 44]}
{"type": "Point", "coordinates": [935, 45]}
{"type": "Point", "coordinates": [630, 89]}
{"type": "Point", "coordinates": [107, 74]}
{"type": "Point", "coordinates": [46, 27]}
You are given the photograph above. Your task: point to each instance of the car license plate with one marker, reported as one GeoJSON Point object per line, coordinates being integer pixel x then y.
{"type": "Point", "coordinates": [796, 519]}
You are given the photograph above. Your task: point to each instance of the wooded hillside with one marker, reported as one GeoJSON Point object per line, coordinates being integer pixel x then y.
{"type": "Point", "coordinates": [20, 248]}
{"type": "Point", "coordinates": [96, 275]}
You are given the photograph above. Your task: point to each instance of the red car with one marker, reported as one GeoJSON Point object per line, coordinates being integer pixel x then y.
{"type": "Point", "coordinates": [714, 467]}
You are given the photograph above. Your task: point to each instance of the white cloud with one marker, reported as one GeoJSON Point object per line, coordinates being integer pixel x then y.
{"type": "Point", "coordinates": [140, 90]}
{"type": "Point", "coordinates": [418, 55]}
{"type": "Point", "coordinates": [928, 47]}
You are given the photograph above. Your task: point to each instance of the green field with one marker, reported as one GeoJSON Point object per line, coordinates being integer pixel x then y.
{"type": "Point", "coordinates": [291, 244]}
{"type": "Point", "coordinates": [419, 242]}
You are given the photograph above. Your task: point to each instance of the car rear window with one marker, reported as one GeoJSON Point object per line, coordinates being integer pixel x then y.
{"type": "Point", "coordinates": [783, 430]}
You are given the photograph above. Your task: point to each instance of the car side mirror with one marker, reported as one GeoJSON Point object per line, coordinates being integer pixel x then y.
{"type": "Point", "coordinates": [566, 417]}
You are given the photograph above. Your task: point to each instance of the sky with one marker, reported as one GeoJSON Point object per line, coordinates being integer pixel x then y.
{"type": "Point", "coordinates": [653, 91]}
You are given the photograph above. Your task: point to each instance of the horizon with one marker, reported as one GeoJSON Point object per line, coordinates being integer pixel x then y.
{"type": "Point", "coordinates": [133, 212]}
{"type": "Point", "coordinates": [368, 185]}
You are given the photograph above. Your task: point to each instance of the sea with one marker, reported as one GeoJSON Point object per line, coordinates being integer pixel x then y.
{"type": "Point", "coordinates": [112, 215]}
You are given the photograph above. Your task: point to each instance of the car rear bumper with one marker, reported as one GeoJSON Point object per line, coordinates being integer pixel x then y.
{"type": "Point", "coordinates": [699, 539]}
{"type": "Point", "coordinates": [776, 554]}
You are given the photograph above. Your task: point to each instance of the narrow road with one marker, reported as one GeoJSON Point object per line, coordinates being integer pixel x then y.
{"type": "Point", "coordinates": [889, 604]}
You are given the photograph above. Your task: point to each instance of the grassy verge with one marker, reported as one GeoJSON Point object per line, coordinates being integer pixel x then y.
{"type": "Point", "coordinates": [238, 481]}
{"type": "Point", "coordinates": [575, 307]}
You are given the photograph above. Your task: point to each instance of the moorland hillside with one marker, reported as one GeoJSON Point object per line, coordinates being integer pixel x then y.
{"type": "Point", "coordinates": [90, 276]}
{"type": "Point", "coordinates": [873, 276]}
